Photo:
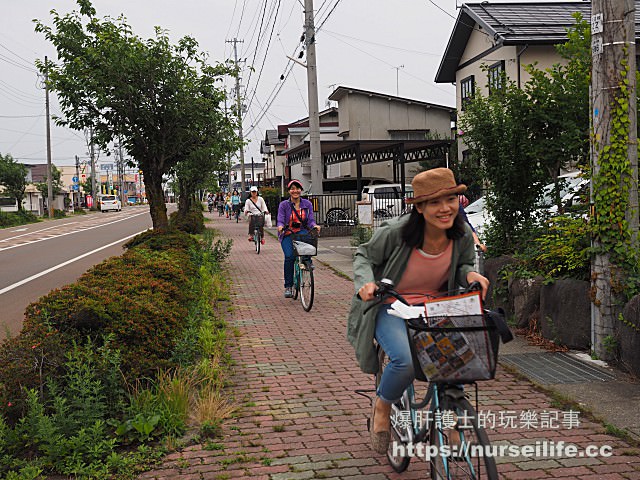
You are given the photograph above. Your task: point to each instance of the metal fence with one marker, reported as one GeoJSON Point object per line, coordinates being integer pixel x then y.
{"type": "Point", "coordinates": [338, 213]}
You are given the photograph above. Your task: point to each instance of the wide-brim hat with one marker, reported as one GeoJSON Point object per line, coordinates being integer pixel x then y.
{"type": "Point", "coordinates": [434, 183]}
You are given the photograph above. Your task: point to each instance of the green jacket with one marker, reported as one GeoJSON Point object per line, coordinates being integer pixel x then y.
{"type": "Point", "coordinates": [386, 256]}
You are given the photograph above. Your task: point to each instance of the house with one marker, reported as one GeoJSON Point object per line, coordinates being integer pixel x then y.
{"type": "Point", "coordinates": [369, 134]}
{"type": "Point", "coordinates": [505, 37]}
{"type": "Point", "coordinates": [271, 149]}
{"type": "Point", "coordinates": [297, 133]}
{"type": "Point", "coordinates": [367, 115]}
{"type": "Point", "coordinates": [253, 174]}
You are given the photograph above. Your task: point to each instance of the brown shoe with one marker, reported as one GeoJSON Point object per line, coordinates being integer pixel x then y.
{"type": "Point", "coordinates": [379, 440]}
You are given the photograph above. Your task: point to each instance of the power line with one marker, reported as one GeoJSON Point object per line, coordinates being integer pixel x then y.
{"type": "Point", "coordinates": [383, 45]}
{"type": "Point", "coordinates": [389, 64]}
{"type": "Point", "coordinates": [16, 64]}
{"type": "Point", "coordinates": [28, 62]}
{"type": "Point", "coordinates": [328, 15]}
{"type": "Point", "coordinates": [255, 90]}
{"type": "Point", "coordinates": [20, 116]}
{"type": "Point", "coordinates": [440, 8]}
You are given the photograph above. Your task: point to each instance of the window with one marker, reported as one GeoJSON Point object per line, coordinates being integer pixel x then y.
{"type": "Point", "coordinates": [467, 87]}
{"type": "Point", "coordinates": [408, 134]}
{"type": "Point", "coordinates": [496, 72]}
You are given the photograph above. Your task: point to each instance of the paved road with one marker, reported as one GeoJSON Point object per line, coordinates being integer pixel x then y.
{"type": "Point", "coordinates": [295, 378]}
{"type": "Point", "coordinates": [39, 257]}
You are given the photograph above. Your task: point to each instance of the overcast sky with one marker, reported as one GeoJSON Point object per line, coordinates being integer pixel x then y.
{"type": "Point", "coordinates": [380, 45]}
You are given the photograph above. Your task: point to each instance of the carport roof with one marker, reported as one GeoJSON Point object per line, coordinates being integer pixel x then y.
{"type": "Point", "coordinates": [370, 151]}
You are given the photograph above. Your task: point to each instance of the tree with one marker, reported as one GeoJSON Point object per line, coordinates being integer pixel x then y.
{"type": "Point", "coordinates": [161, 99]}
{"type": "Point", "coordinates": [495, 129]}
{"type": "Point", "coordinates": [522, 138]}
{"type": "Point", "coordinates": [56, 181]}
{"type": "Point", "coordinates": [13, 177]}
{"type": "Point", "coordinates": [559, 111]}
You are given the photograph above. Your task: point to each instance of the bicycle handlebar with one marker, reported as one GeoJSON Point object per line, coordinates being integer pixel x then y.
{"type": "Point", "coordinates": [385, 290]}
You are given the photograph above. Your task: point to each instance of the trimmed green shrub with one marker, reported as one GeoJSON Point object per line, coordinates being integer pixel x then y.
{"type": "Point", "coordinates": [12, 219]}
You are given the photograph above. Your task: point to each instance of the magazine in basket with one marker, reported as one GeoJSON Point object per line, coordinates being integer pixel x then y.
{"type": "Point", "coordinates": [450, 353]}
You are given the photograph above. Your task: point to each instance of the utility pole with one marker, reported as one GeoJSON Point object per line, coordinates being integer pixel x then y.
{"type": "Point", "coordinates": [253, 179]}
{"type": "Point", "coordinates": [93, 167]}
{"type": "Point", "coordinates": [77, 183]}
{"type": "Point", "coordinates": [613, 44]}
{"type": "Point", "coordinates": [235, 42]}
{"type": "Point", "coordinates": [121, 174]}
{"type": "Point", "coordinates": [312, 90]}
{"type": "Point", "coordinates": [49, 169]}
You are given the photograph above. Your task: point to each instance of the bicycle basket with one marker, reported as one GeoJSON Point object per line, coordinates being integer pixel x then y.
{"type": "Point", "coordinates": [305, 244]}
{"type": "Point", "coordinates": [258, 220]}
{"type": "Point", "coordinates": [455, 343]}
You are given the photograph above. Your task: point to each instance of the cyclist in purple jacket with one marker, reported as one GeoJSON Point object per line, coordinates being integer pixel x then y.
{"type": "Point", "coordinates": [294, 215]}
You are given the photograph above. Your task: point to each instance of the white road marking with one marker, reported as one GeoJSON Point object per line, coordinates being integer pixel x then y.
{"type": "Point", "coordinates": [35, 231]}
{"type": "Point", "coordinates": [19, 230]}
{"type": "Point", "coordinates": [73, 231]}
{"type": "Point", "coordinates": [64, 264]}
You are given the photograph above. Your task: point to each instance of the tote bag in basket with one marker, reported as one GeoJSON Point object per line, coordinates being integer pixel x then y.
{"type": "Point", "coordinates": [454, 343]}
{"type": "Point", "coordinates": [305, 244]}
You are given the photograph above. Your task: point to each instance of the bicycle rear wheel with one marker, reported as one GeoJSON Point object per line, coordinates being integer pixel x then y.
{"type": "Point", "coordinates": [398, 462]}
{"type": "Point", "coordinates": [306, 287]}
{"type": "Point", "coordinates": [467, 443]}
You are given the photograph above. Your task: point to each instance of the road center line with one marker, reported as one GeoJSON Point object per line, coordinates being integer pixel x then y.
{"type": "Point", "coordinates": [64, 264]}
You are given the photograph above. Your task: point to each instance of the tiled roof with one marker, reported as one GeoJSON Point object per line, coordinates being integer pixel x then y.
{"type": "Point", "coordinates": [513, 23]}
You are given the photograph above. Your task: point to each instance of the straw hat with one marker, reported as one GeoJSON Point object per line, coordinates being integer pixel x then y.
{"type": "Point", "coordinates": [434, 183]}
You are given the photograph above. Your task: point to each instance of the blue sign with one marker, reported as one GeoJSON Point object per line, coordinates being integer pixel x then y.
{"type": "Point", "coordinates": [74, 179]}
{"type": "Point", "coordinates": [76, 187]}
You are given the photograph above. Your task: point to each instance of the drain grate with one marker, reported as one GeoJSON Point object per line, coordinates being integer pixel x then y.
{"type": "Point", "coordinates": [548, 368]}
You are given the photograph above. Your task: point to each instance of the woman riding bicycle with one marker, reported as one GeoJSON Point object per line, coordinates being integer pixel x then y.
{"type": "Point", "coordinates": [235, 202]}
{"type": "Point", "coordinates": [295, 215]}
{"type": "Point", "coordinates": [255, 206]}
{"type": "Point", "coordinates": [426, 253]}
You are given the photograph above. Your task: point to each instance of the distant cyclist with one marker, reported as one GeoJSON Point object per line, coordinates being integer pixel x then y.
{"type": "Point", "coordinates": [464, 202]}
{"type": "Point", "coordinates": [255, 206]}
{"type": "Point", "coordinates": [235, 203]}
{"type": "Point", "coordinates": [295, 215]}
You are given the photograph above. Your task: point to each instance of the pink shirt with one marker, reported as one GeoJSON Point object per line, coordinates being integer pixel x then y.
{"type": "Point", "coordinates": [425, 275]}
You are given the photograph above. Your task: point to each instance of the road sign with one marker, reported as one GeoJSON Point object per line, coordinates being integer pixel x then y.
{"type": "Point", "coordinates": [74, 179]}
{"type": "Point", "coordinates": [106, 166]}
{"type": "Point", "coordinates": [76, 187]}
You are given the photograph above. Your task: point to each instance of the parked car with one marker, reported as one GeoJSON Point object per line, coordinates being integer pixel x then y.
{"type": "Point", "coordinates": [110, 202]}
{"type": "Point", "coordinates": [479, 216]}
{"type": "Point", "coordinates": [386, 199]}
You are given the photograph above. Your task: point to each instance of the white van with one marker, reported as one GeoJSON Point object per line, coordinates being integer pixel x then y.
{"type": "Point", "coordinates": [386, 199]}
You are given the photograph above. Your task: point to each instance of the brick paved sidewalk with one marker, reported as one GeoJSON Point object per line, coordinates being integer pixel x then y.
{"type": "Point", "coordinates": [295, 376]}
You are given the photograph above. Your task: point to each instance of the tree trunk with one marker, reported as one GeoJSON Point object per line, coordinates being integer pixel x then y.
{"type": "Point", "coordinates": [157, 206]}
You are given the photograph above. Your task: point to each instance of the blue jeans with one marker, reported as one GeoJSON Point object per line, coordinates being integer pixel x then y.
{"type": "Point", "coordinates": [287, 248]}
{"type": "Point", "coordinates": [391, 334]}
{"type": "Point", "coordinates": [289, 258]}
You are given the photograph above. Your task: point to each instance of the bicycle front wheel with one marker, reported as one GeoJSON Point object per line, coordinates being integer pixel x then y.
{"type": "Point", "coordinates": [296, 279]}
{"type": "Point", "coordinates": [306, 287]}
{"type": "Point", "coordinates": [463, 449]}
{"type": "Point", "coordinates": [256, 240]}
